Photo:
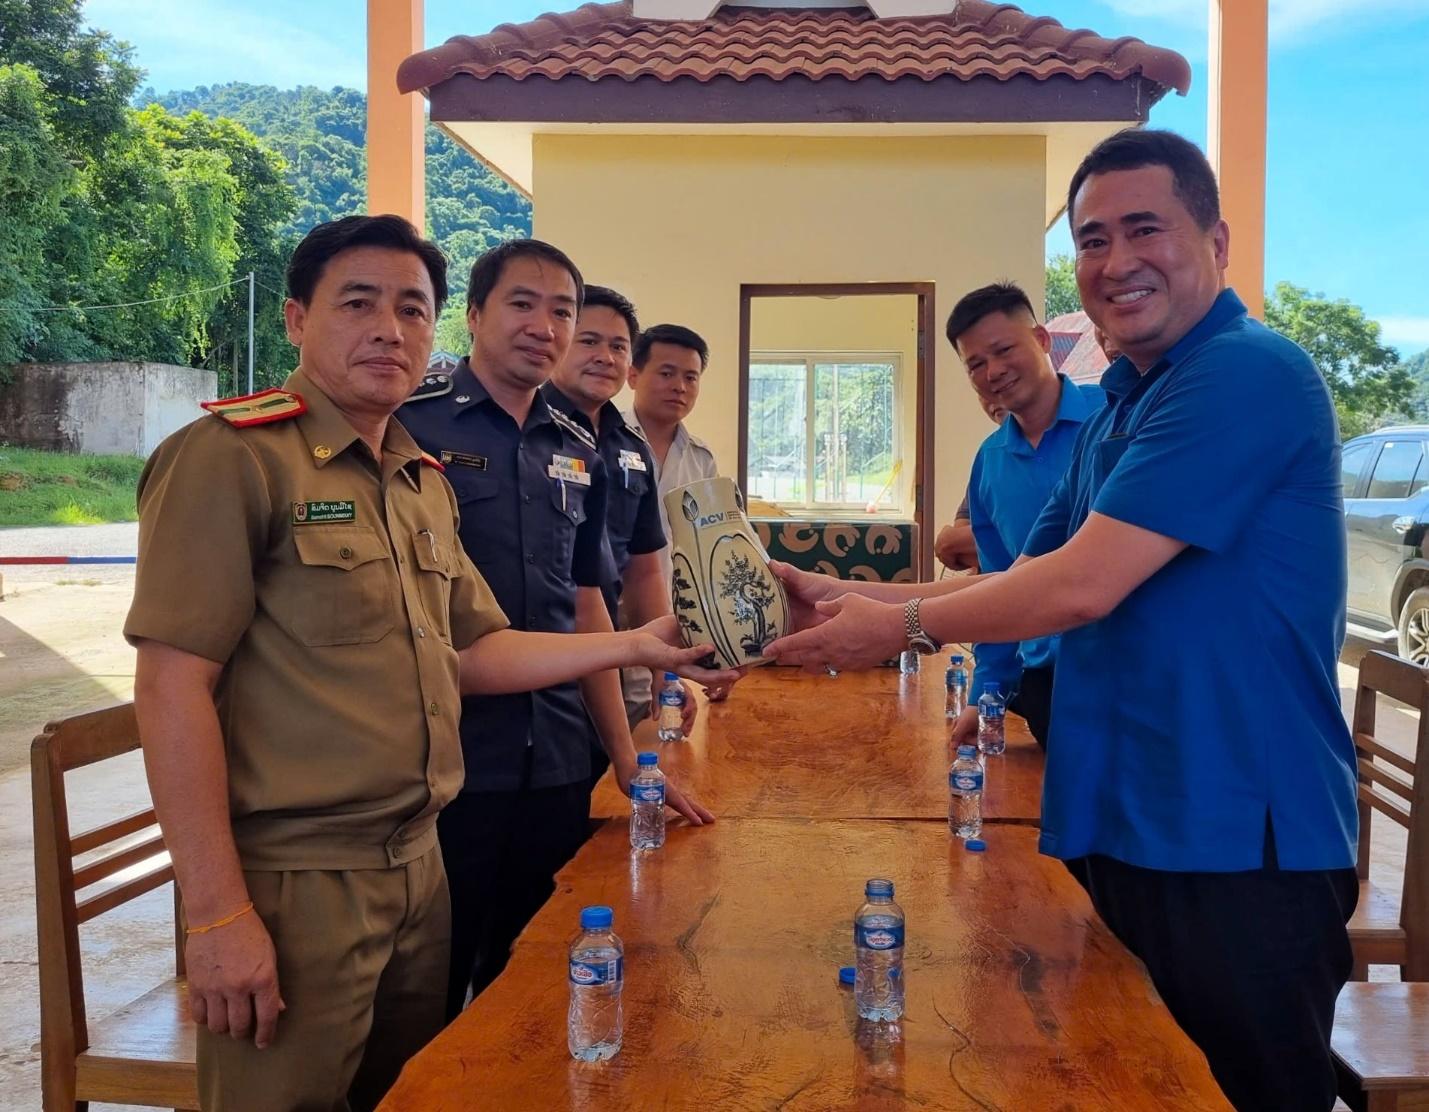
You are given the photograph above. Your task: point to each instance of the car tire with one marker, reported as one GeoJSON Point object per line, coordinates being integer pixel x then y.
{"type": "Point", "coordinates": [1414, 627]}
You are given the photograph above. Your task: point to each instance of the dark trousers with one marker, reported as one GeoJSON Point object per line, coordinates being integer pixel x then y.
{"type": "Point", "coordinates": [1034, 701]}
{"type": "Point", "coordinates": [502, 851]}
{"type": "Point", "coordinates": [1249, 964]}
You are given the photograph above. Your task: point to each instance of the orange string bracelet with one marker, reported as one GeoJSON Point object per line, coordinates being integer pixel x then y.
{"type": "Point", "coordinates": [242, 911]}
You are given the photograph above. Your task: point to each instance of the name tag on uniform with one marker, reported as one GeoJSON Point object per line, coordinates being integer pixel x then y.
{"type": "Point", "coordinates": [568, 470]}
{"type": "Point", "coordinates": [317, 513]}
{"type": "Point", "coordinates": [632, 461]}
{"type": "Point", "coordinates": [462, 459]}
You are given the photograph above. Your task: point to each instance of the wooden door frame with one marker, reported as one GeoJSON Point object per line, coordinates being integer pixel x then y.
{"type": "Point", "coordinates": [924, 412]}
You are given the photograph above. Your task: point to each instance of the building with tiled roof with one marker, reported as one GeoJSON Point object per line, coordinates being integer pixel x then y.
{"type": "Point", "coordinates": [723, 164]}
{"type": "Point", "coordinates": [1075, 351]}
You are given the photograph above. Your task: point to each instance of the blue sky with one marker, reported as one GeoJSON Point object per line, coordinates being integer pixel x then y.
{"type": "Point", "coordinates": [1348, 178]}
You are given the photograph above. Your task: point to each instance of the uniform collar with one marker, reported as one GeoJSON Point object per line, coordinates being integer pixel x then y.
{"type": "Point", "coordinates": [1122, 376]}
{"type": "Point", "coordinates": [329, 434]}
{"type": "Point", "coordinates": [611, 419]}
{"type": "Point", "coordinates": [1072, 406]}
{"type": "Point", "coordinates": [467, 392]}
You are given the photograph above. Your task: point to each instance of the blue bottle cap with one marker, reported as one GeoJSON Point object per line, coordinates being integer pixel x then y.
{"type": "Point", "coordinates": [992, 689]}
{"type": "Point", "coordinates": [878, 887]}
{"type": "Point", "coordinates": [596, 918]}
{"type": "Point", "coordinates": [846, 975]}
{"type": "Point", "coordinates": [958, 659]}
{"type": "Point", "coordinates": [670, 677]}
{"type": "Point", "coordinates": [967, 750]}
{"type": "Point", "coordinates": [648, 760]}
{"type": "Point", "coordinates": [976, 845]}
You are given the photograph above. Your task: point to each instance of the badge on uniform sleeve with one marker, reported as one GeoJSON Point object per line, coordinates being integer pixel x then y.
{"type": "Point", "coordinates": [322, 513]}
{"type": "Point", "coordinates": [568, 470]}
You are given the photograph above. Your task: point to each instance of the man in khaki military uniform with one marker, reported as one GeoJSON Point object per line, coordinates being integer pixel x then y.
{"type": "Point", "coordinates": [306, 621]}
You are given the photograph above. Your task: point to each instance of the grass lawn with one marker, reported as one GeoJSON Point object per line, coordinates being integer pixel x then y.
{"type": "Point", "coordinates": [52, 488]}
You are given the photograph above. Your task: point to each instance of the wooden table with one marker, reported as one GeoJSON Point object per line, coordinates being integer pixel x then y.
{"type": "Point", "coordinates": [862, 745]}
{"type": "Point", "coordinates": [1017, 997]}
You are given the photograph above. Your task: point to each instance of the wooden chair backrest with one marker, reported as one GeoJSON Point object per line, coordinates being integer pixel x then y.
{"type": "Point", "coordinates": [122, 859]}
{"type": "Point", "coordinates": [1385, 787]}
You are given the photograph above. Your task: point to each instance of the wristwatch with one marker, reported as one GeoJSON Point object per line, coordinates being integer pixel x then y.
{"type": "Point", "coordinates": [918, 640]}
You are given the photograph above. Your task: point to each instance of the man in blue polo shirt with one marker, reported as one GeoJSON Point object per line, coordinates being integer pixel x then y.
{"type": "Point", "coordinates": [1008, 359]}
{"type": "Point", "coordinates": [1200, 779]}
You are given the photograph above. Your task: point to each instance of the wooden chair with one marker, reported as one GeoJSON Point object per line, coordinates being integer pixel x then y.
{"type": "Point", "coordinates": [1392, 927]}
{"type": "Point", "coordinates": [1381, 1046]}
{"type": "Point", "coordinates": [144, 1053]}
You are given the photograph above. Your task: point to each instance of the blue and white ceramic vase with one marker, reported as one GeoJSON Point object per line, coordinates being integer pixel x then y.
{"type": "Point", "coordinates": [723, 590]}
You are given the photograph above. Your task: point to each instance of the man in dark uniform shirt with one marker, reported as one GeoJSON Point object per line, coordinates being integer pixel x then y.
{"type": "Point", "coordinates": [531, 489]}
{"type": "Point", "coordinates": [582, 387]}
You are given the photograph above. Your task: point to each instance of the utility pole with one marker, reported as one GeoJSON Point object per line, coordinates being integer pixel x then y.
{"type": "Point", "coordinates": [250, 332]}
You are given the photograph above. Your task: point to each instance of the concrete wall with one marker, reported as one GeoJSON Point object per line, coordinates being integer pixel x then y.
{"type": "Point", "coordinates": [101, 408]}
{"type": "Point", "coordinates": [678, 223]}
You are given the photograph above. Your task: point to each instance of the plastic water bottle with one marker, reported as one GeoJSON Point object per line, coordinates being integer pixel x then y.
{"type": "Point", "coordinates": [908, 662]}
{"type": "Point", "coordinates": [595, 1023]}
{"type": "Point", "coordinates": [672, 709]}
{"type": "Point", "coordinates": [647, 804]}
{"type": "Point", "coordinates": [991, 716]}
{"type": "Point", "coordinates": [965, 794]}
{"type": "Point", "coordinates": [878, 944]}
{"type": "Point", "coordinates": [957, 682]}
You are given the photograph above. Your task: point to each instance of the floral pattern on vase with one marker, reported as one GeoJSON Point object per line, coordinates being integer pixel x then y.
{"type": "Point", "coordinates": [722, 588]}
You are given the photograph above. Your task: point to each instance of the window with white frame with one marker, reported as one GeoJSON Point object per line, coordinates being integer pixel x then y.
{"type": "Point", "coordinates": [824, 429]}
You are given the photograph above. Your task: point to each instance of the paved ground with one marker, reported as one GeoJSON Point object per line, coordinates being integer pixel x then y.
{"type": "Point", "coordinates": [61, 653]}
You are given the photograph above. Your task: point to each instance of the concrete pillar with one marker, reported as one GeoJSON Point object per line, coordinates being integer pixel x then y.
{"type": "Point", "coordinates": [396, 154]}
{"type": "Point", "coordinates": [1236, 133]}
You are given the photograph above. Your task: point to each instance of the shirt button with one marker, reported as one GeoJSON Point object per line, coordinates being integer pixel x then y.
{"type": "Point", "coordinates": [530, 557]}
{"type": "Point", "coordinates": [526, 498]}
{"type": "Point", "coordinates": [421, 632]}
{"type": "Point", "coordinates": [396, 853]}
{"type": "Point", "coordinates": [345, 552]}
{"type": "Point", "coordinates": [436, 710]}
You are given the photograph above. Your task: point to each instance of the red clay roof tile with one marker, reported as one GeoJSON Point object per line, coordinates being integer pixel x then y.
{"type": "Point", "coordinates": [980, 39]}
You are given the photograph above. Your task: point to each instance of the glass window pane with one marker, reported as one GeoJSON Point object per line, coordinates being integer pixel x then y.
{"type": "Point", "coordinates": [777, 412]}
{"type": "Point", "coordinates": [1394, 470]}
{"type": "Point", "coordinates": [1351, 464]}
{"type": "Point", "coordinates": [854, 423]}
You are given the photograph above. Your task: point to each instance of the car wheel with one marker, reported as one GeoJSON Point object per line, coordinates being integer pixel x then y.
{"type": "Point", "coordinates": [1414, 627]}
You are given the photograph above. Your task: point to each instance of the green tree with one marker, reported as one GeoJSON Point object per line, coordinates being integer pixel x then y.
{"type": "Point", "coordinates": [1062, 293]}
{"type": "Point", "coordinates": [263, 204]}
{"type": "Point", "coordinates": [452, 334]}
{"type": "Point", "coordinates": [34, 179]}
{"type": "Point", "coordinates": [89, 77]}
{"type": "Point", "coordinates": [1365, 377]}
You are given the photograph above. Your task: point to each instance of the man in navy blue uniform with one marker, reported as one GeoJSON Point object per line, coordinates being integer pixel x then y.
{"type": "Point", "coordinates": [531, 489]}
{"type": "Point", "coordinates": [1200, 778]}
{"type": "Point", "coordinates": [582, 387]}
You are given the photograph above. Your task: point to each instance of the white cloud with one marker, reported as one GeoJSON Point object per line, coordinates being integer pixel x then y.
{"type": "Point", "coordinates": [191, 42]}
{"type": "Point", "coordinates": [1289, 19]}
{"type": "Point", "coordinates": [1409, 334]}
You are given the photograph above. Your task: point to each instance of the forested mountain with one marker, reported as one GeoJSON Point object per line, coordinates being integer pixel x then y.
{"type": "Point", "coordinates": [320, 135]}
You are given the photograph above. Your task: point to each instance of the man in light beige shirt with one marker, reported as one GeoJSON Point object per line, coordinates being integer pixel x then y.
{"type": "Point", "coordinates": [665, 372]}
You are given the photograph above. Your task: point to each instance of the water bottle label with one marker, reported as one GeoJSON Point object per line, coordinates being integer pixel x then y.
{"type": "Point", "coordinates": [598, 972]}
{"type": "Point", "coordinates": [647, 793]}
{"type": "Point", "coordinates": [965, 780]}
{"type": "Point", "coordinates": [992, 712]}
{"type": "Point", "coordinates": [672, 698]}
{"type": "Point", "coordinates": [878, 938]}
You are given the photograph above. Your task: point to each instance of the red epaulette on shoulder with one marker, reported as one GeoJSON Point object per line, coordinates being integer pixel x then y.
{"type": "Point", "coordinates": [261, 408]}
{"type": "Point", "coordinates": [432, 461]}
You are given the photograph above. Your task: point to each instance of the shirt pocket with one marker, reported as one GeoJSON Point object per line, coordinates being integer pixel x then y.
{"type": "Point", "coordinates": [485, 521]}
{"type": "Point", "coordinates": [568, 501]}
{"type": "Point", "coordinates": [343, 589]}
{"type": "Point", "coordinates": [437, 566]}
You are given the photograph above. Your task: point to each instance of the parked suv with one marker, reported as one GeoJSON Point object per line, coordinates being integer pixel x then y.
{"type": "Point", "coordinates": [1385, 480]}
